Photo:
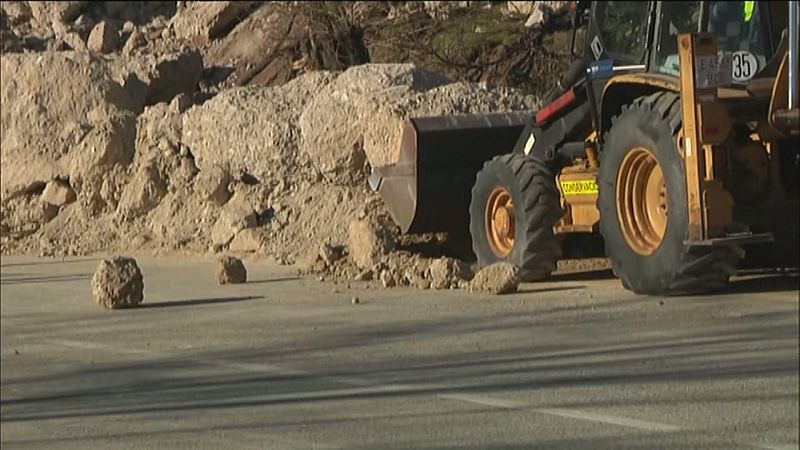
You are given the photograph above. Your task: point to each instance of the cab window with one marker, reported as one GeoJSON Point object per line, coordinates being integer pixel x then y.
{"type": "Point", "coordinates": [623, 28]}
{"type": "Point", "coordinates": [674, 18]}
{"type": "Point", "coordinates": [740, 29]}
{"type": "Point", "coordinates": [742, 32]}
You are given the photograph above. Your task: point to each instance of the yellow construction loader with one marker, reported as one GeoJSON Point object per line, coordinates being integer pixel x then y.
{"type": "Point", "coordinates": [674, 135]}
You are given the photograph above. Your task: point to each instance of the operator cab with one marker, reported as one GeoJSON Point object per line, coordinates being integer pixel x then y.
{"type": "Point", "coordinates": [740, 29]}
{"type": "Point", "coordinates": [620, 31]}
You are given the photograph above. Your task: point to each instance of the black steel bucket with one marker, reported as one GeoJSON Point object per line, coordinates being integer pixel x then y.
{"type": "Point", "coordinates": [428, 189]}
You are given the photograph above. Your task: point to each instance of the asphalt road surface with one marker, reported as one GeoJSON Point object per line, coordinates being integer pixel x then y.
{"type": "Point", "coordinates": [288, 363]}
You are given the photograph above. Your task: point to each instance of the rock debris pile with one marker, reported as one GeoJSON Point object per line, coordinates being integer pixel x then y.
{"type": "Point", "coordinates": [118, 137]}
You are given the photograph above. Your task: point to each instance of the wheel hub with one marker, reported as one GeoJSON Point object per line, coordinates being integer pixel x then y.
{"type": "Point", "coordinates": [500, 222]}
{"type": "Point", "coordinates": [642, 201]}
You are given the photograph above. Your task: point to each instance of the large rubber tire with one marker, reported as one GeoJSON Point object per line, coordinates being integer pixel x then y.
{"type": "Point", "coordinates": [537, 208]}
{"type": "Point", "coordinates": [652, 123]}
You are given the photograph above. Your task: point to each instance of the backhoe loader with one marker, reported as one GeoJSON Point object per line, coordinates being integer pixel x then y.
{"type": "Point", "coordinates": [674, 135]}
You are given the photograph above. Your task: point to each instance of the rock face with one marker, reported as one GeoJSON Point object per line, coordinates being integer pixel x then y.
{"type": "Point", "coordinates": [369, 241]}
{"type": "Point", "coordinates": [54, 126]}
{"type": "Point", "coordinates": [499, 278]}
{"type": "Point", "coordinates": [118, 283]}
{"type": "Point", "coordinates": [230, 270]}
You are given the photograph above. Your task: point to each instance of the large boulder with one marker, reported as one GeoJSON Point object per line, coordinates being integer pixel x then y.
{"type": "Point", "coordinates": [46, 13]}
{"type": "Point", "coordinates": [154, 78]}
{"type": "Point", "coordinates": [9, 42]}
{"type": "Point", "coordinates": [251, 129]}
{"type": "Point", "coordinates": [281, 39]}
{"type": "Point", "coordinates": [369, 240]}
{"type": "Point", "coordinates": [383, 135]}
{"type": "Point", "coordinates": [118, 283]}
{"type": "Point", "coordinates": [201, 22]}
{"type": "Point", "coordinates": [158, 138]}
{"type": "Point", "coordinates": [335, 122]}
{"type": "Point", "coordinates": [212, 185]}
{"type": "Point", "coordinates": [238, 214]}
{"type": "Point", "coordinates": [58, 193]}
{"type": "Point", "coordinates": [230, 270]}
{"type": "Point", "coordinates": [159, 125]}
{"type": "Point", "coordinates": [251, 48]}
{"type": "Point", "coordinates": [447, 273]}
{"type": "Point", "coordinates": [17, 12]}
{"type": "Point", "coordinates": [145, 191]}
{"type": "Point", "coordinates": [248, 240]}
{"type": "Point", "coordinates": [104, 37]}
{"type": "Point", "coordinates": [57, 127]}
{"type": "Point", "coordinates": [24, 215]}
{"type": "Point", "coordinates": [136, 39]}
{"type": "Point", "coordinates": [246, 128]}
{"type": "Point", "coordinates": [498, 278]}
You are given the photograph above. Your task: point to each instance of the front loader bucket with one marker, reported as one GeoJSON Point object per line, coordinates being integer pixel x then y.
{"type": "Point", "coordinates": [428, 189]}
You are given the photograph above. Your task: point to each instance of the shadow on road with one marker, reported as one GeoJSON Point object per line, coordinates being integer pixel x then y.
{"type": "Point", "coordinates": [771, 283]}
{"type": "Point", "coordinates": [46, 262]}
{"type": "Point", "coordinates": [199, 301]}
{"type": "Point", "coordinates": [602, 274]}
{"type": "Point", "coordinates": [550, 289]}
{"type": "Point", "coordinates": [273, 280]}
{"type": "Point", "coordinates": [6, 279]}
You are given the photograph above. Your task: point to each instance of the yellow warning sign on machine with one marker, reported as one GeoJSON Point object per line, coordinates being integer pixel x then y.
{"type": "Point", "coordinates": [576, 187]}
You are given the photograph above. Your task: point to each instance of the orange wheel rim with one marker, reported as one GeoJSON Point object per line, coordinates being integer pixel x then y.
{"type": "Point", "coordinates": [642, 201]}
{"type": "Point", "coordinates": [500, 222]}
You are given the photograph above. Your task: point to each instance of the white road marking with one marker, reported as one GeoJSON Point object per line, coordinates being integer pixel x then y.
{"type": "Point", "coordinates": [95, 346]}
{"type": "Point", "coordinates": [484, 400]}
{"type": "Point", "coordinates": [365, 387]}
{"type": "Point", "coordinates": [778, 446]}
{"type": "Point", "coordinates": [570, 413]}
{"type": "Point", "coordinates": [604, 418]}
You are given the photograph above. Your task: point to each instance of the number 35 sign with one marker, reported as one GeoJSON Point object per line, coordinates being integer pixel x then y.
{"type": "Point", "coordinates": [744, 66]}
